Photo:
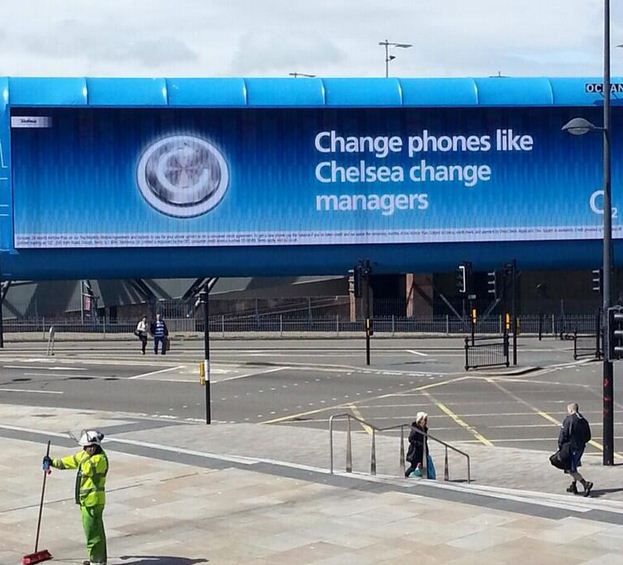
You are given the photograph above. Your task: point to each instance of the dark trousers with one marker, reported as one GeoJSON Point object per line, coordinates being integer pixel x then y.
{"type": "Point", "coordinates": [160, 340]}
{"type": "Point", "coordinates": [143, 339]}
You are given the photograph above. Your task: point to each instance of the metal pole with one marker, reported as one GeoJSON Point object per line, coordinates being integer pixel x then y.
{"type": "Point", "coordinates": [386, 58]}
{"type": "Point", "coordinates": [367, 311]}
{"type": "Point", "coordinates": [1, 311]}
{"type": "Point", "coordinates": [204, 298]}
{"type": "Point", "coordinates": [608, 372]}
{"type": "Point", "coordinates": [514, 307]}
{"type": "Point", "coordinates": [349, 448]}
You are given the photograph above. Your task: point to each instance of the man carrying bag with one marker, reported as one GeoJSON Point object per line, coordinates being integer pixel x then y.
{"type": "Point", "coordinates": [575, 433]}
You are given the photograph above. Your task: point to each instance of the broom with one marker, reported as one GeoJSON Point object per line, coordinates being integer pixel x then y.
{"type": "Point", "coordinates": [44, 554]}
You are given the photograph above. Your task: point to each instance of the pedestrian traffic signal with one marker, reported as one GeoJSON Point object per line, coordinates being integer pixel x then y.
{"type": "Point", "coordinates": [597, 280]}
{"type": "Point", "coordinates": [464, 278]}
{"type": "Point", "coordinates": [615, 333]}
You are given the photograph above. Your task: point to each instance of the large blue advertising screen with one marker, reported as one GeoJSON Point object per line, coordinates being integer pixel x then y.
{"type": "Point", "coordinates": [105, 177]}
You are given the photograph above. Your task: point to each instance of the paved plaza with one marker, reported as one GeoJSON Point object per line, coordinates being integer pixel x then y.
{"type": "Point", "coordinates": [183, 493]}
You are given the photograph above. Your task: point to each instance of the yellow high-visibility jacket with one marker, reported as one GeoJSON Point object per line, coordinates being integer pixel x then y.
{"type": "Point", "coordinates": [91, 477]}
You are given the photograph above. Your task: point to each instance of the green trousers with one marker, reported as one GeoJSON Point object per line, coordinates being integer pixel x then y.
{"type": "Point", "coordinates": [93, 524]}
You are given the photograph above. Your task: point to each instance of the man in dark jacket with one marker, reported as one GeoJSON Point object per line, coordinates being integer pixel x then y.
{"type": "Point", "coordinates": [160, 332]}
{"type": "Point", "coordinates": [576, 432]}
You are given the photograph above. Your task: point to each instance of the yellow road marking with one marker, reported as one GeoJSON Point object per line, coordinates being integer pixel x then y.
{"type": "Point", "coordinates": [342, 405]}
{"type": "Point", "coordinates": [482, 439]}
{"type": "Point", "coordinates": [356, 412]}
{"type": "Point", "coordinates": [544, 415]}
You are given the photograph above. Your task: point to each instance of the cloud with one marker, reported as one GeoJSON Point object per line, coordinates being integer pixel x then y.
{"type": "Point", "coordinates": [262, 52]}
{"type": "Point", "coordinates": [72, 39]}
{"type": "Point", "coordinates": [324, 37]}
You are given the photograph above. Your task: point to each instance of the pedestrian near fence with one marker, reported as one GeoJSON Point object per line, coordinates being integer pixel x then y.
{"type": "Point", "coordinates": [575, 433]}
{"type": "Point", "coordinates": [90, 491]}
{"type": "Point", "coordinates": [160, 332]}
{"type": "Point", "coordinates": [141, 333]}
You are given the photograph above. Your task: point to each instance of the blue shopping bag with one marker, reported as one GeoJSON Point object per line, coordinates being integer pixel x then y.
{"type": "Point", "coordinates": [430, 467]}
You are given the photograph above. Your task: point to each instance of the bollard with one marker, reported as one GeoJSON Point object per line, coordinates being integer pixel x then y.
{"type": "Point", "coordinates": [349, 449]}
{"type": "Point", "coordinates": [373, 453]}
{"type": "Point", "coordinates": [446, 472]}
{"type": "Point", "coordinates": [51, 336]}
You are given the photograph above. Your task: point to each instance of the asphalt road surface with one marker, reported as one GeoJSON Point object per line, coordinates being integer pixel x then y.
{"type": "Point", "coordinates": [303, 382]}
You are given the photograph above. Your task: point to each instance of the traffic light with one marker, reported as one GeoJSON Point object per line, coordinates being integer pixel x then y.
{"type": "Point", "coordinates": [464, 278]}
{"type": "Point", "coordinates": [597, 280]}
{"type": "Point", "coordinates": [366, 268]}
{"type": "Point", "coordinates": [356, 276]}
{"type": "Point", "coordinates": [492, 283]}
{"type": "Point", "coordinates": [354, 282]}
{"type": "Point", "coordinates": [615, 333]}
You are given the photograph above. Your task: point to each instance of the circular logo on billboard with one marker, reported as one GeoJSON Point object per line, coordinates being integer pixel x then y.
{"type": "Point", "coordinates": [182, 176]}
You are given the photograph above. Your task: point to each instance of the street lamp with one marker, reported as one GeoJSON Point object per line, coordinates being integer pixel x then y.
{"type": "Point", "coordinates": [581, 126]}
{"type": "Point", "coordinates": [388, 57]}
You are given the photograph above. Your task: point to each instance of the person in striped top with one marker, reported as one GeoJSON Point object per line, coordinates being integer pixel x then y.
{"type": "Point", "coordinates": [160, 332]}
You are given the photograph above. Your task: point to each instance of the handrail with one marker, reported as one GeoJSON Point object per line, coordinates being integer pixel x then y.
{"type": "Point", "coordinates": [375, 429]}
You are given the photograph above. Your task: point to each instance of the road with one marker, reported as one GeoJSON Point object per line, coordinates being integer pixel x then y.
{"type": "Point", "coordinates": [301, 383]}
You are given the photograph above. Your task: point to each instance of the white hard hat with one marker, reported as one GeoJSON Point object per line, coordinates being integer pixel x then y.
{"type": "Point", "coordinates": [91, 437]}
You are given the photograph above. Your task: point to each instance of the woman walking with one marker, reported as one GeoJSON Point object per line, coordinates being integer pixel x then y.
{"type": "Point", "coordinates": [418, 445]}
{"type": "Point", "coordinates": [141, 332]}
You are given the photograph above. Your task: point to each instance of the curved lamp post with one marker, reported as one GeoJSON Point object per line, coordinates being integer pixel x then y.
{"type": "Point", "coordinates": [581, 126]}
{"type": "Point", "coordinates": [388, 57]}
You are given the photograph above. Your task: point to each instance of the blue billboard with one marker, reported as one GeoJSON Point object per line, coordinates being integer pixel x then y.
{"type": "Point", "coordinates": [87, 177]}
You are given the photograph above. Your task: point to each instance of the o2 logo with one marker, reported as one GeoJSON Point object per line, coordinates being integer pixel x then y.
{"type": "Point", "coordinates": [596, 202]}
{"type": "Point", "coordinates": [182, 176]}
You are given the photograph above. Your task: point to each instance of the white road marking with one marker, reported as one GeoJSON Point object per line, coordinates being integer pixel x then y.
{"type": "Point", "coordinates": [2, 389]}
{"type": "Point", "coordinates": [252, 374]}
{"type": "Point", "coordinates": [156, 372]}
{"type": "Point", "coordinates": [82, 376]}
{"type": "Point", "coordinates": [416, 352]}
{"type": "Point", "coordinates": [44, 368]}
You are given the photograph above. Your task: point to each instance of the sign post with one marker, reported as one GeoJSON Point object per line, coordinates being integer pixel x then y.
{"type": "Point", "coordinates": [204, 298]}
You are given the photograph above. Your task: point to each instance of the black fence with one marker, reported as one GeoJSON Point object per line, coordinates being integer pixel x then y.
{"type": "Point", "coordinates": [486, 352]}
{"type": "Point", "coordinates": [587, 346]}
{"type": "Point", "coordinates": [550, 326]}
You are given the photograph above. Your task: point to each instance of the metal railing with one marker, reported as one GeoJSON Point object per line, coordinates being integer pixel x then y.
{"type": "Point", "coordinates": [282, 325]}
{"type": "Point", "coordinates": [486, 352]}
{"type": "Point", "coordinates": [375, 430]}
{"type": "Point", "coordinates": [587, 346]}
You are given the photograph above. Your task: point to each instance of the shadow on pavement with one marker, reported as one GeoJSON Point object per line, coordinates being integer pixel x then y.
{"type": "Point", "coordinates": [596, 493]}
{"type": "Point", "coordinates": [160, 560]}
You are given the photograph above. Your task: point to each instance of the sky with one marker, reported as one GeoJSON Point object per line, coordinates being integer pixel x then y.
{"type": "Point", "coordinates": [273, 38]}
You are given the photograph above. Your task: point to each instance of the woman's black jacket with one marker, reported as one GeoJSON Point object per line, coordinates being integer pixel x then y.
{"type": "Point", "coordinates": [415, 454]}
